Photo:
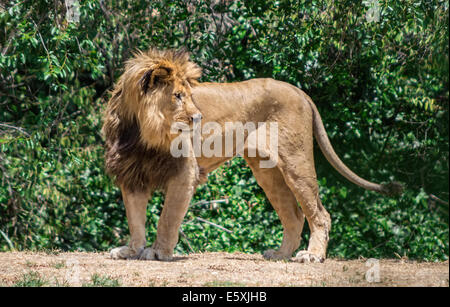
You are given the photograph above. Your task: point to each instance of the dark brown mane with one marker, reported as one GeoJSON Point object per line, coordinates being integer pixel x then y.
{"type": "Point", "coordinates": [135, 166]}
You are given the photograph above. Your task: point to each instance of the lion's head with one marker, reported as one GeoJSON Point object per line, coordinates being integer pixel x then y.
{"type": "Point", "coordinates": [155, 90]}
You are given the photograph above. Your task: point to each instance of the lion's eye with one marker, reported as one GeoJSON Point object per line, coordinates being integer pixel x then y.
{"type": "Point", "coordinates": [177, 96]}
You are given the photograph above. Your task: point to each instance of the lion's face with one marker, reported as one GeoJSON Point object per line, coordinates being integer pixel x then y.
{"type": "Point", "coordinates": [166, 102]}
{"type": "Point", "coordinates": [179, 106]}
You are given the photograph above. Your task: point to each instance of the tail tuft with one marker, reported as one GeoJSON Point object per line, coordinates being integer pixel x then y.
{"type": "Point", "coordinates": [392, 189]}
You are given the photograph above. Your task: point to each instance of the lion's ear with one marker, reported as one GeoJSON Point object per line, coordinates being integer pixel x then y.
{"type": "Point", "coordinates": [154, 76]}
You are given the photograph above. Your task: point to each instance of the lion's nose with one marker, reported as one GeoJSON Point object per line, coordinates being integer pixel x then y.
{"type": "Point", "coordinates": [196, 117]}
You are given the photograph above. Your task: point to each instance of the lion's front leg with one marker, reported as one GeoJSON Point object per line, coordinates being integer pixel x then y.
{"type": "Point", "coordinates": [136, 207]}
{"type": "Point", "coordinates": [178, 196]}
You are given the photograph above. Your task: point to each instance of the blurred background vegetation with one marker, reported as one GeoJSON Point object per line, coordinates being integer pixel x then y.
{"type": "Point", "coordinates": [377, 70]}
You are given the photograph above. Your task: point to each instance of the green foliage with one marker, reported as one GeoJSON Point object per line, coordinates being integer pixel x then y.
{"type": "Point", "coordinates": [380, 85]}
{"type": "Point", "coordinates": [31, 279]}
{"type": "Point", "coordinates": [102, 281]}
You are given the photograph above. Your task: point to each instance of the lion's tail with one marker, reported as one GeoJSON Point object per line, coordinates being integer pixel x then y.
{"type": "Point", "coordinates": [390, 189]}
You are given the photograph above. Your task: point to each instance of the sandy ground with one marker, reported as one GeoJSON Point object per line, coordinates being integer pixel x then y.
{"type": "Point", "coordinates": [212, 269]}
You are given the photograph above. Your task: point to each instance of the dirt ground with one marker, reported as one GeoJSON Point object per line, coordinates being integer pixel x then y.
{"type": "Point", "coordinates": [211, 269]}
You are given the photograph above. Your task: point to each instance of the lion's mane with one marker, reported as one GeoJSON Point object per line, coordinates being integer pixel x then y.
{"type": "Point", "coordinates": [137, 152]}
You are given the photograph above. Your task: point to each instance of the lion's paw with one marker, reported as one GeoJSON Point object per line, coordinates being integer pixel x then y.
{"type": "Point", "coordinates": [272, 254]}
{"type": "Point", "coordinates": [155, 254]}
{"type": "Point", "coordinates": [125, 252]}
{"type": "Point", "coordinates": [308, 257]}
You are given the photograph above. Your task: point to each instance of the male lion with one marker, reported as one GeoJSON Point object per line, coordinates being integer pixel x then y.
{"type": "Point", "coordinates": [159, 88]}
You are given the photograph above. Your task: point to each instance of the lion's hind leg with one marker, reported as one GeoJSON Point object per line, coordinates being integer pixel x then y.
{"type": "Point", "coordinates": [136, 207]}
{"type": "Point", "coordinates": [285, 204]}
{"type": "Point", "coordinates": [302, 180]}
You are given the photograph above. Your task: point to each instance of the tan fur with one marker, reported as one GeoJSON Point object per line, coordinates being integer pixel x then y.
{"type": "Point", "coordinates": [146, 101]}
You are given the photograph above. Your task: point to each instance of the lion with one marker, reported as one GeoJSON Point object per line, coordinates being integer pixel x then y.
{"type": "Point", "coordinates": [159, 88]}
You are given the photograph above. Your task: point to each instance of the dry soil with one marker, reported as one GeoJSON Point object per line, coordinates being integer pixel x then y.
{"type": "Point", "coordinates": [212, 269]}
